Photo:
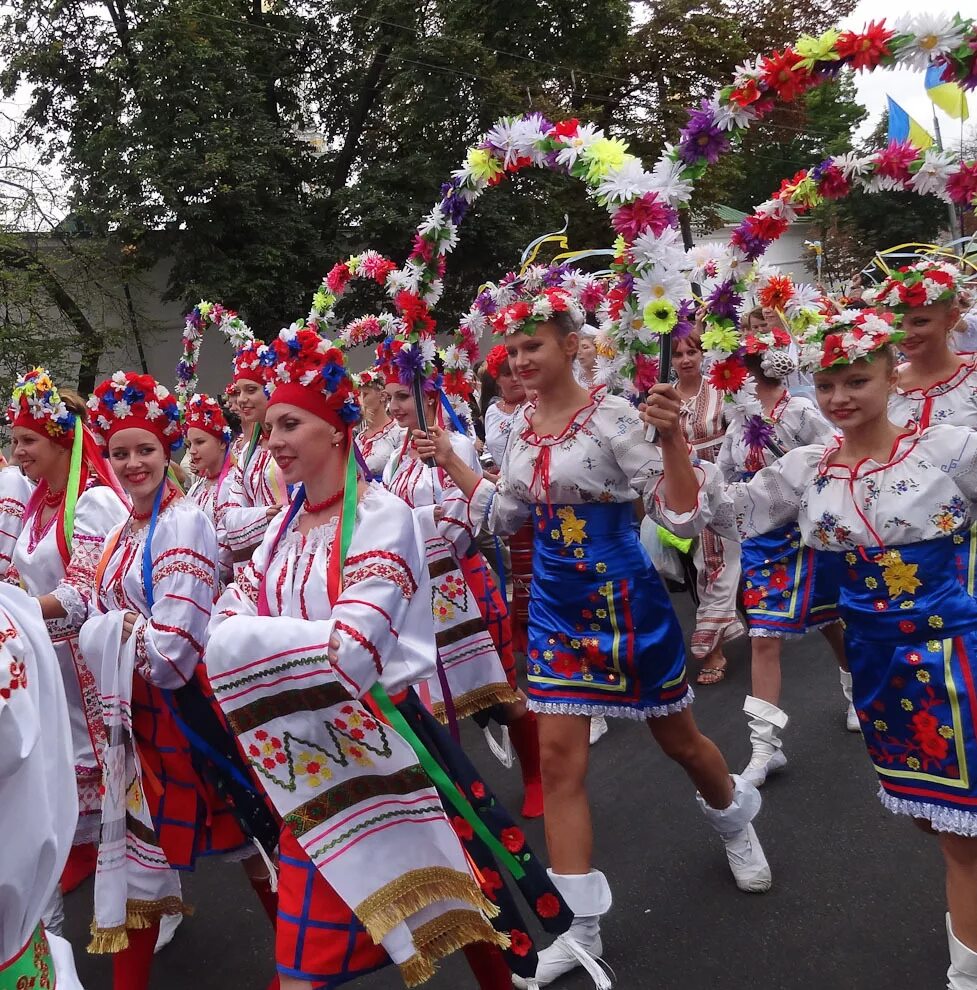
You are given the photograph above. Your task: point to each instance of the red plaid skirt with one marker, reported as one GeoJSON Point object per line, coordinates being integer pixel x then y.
{"type": "Point", "coordinates": [494, 611]}
{"type": "Point", "coordinates": [318, 938]}
{"type": "Point", "coordinates": [190, 818]}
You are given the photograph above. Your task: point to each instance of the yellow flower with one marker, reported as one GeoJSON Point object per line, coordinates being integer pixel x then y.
{"type": "Point", "coordinates": [900, 577]}
{"type": "Point", "coordinates": [912, 763]}
{"type": "Point", "coordinates": [945, 731]}
{"type": "Point", "coordinates": [936, 622]}
{"type": "Point", "coordinates": [547, 655]}
{"type": "Point", "coordinates": [602, 613]}
{"type": "Point", "coordinates": [601, 156]}
{"type": "Point", "coordinates": [554, 534]}
{"type": "Point", "coordinates": [572, 527]}
{"type": "Point", "coordinates": [323, 301]}
{"type": "Point", "coordinates": [483, 165]}
{"type": "Point", "coordinates": [934, 646]}
{"type": "Point", "coordinates": [958, 539]}
{"type": "Point", "coordinates": [850, 558]}
{"type": "Point", "coordinates": [575, 643]}
{"type": "Point", "coordinates": [814, 50]}
{"type": "Point", "coordinates": [601, 567]}
{"type": "Point", "coordinates": [923, 676]}
{"type": "Point", "coordinates": [907, 705]}
{"type": "Point", "coordinates": [578, 553]}
{"type": "Point", "coordinates": [659, 316]}
{"type": "Point", "coordinates": [908, 603]}
{"type": "Point", "coordinates": [204, 308]}
{"type": "Point", "coordinates": [720, 338]}
{"type": "Point", "coordinates": [870, 582]}
{"type": "Point", "coordinates": [353, 263]}
{"type": "Point", "coordinates": [880, 725]}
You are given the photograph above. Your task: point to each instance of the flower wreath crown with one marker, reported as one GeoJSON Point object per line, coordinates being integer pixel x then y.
{"type": "Point", "coordinates": [127, 395]}
{"type": "Point", "coordinates": [922, 284]}
{"type": "Point", "coordinates": [199, 319]}
{"type": "Point", "coordinates": [203, 412]}
{"type": "Point", "coordinates": [847, 337]}
{"type": "Point", "coordinates": [37, 397]}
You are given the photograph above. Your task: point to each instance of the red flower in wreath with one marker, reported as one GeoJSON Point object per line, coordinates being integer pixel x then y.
{"type": "Point", "coordinates": [521, 942]}
{"type": "Point", "coordinates": [547, 906]}
{"type": "Point", "coordinates": [867, 49]}
{"type": "Point", "coordinates": [513, 839]}
{"type": "Point", "coordinates": [782, 75]}
{"type": "Point", "coordinates": [462, 829]}
{"type": "Point", "coordinates": [478, 790]}
{"type": "Point", "coordinates": [728, 375]}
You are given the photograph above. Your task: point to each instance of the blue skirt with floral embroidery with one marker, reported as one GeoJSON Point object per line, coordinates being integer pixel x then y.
{"type": "Point", "coordinates": [911, 639]}
{"type": "Point", "coordinates": [603, 637]}
{"type": "Point", "coordinates": [788, 588]}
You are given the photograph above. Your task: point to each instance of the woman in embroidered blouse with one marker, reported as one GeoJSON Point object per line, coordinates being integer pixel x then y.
{"type": "Point", "coordinates": [380, 437]}
{"type": "Point", "coordinates": [889, 505]}
{"type": "Point", "coordinates": [479, 666]}
{"type": "Point", "coordinates": [603, 636]}
{"type": "Point", "coordinates": [152, 594]}
{"type": "Point", "coordinates": [15, 493]}
{"type": "Point", "coordinates": [717, 561]}
{"type": "Point", "coordinates": [60, 540]}
{"type": "Point", "coordinates": [786, 589]}
{"type": "Point", "coordinates": [208, 439]}
{"type": "Point", "coordinates": [382, 631]}
{"type": "Point", "coordinates": [257, 489]}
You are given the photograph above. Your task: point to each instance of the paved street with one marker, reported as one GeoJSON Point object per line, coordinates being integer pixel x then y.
{"type": "Point", "coordinates": [857, 898]}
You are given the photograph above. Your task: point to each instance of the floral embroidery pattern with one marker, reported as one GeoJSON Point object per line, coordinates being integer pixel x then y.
{"type": "Point", "coordinates": [900, 577]}
{"type": "Point", "coordinates": [17, 678]}
{"type": "Point", "coordinates": [572, 528]}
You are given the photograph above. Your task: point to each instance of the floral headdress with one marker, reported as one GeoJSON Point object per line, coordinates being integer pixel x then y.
{"type": "Point", "coordinates": [847, 337]}
{"type": "Point", "coordinates": [367, 379]}
{"type": "Point", "coordinates": [525, 315]}
{"type": "Point", "coordinates": [308, 371]}
{"type": "Point", "coordinates": [204, 413]}
{"type": "Point", "coordinates": [128, 401]}
{"type": "Point", "coordinates": [250, 362]}
{"type": "Point", "coordinates": [37, 405]}
{"type": "Point", "coordinates": [922, 284]}
{"type": "Point", "coordinates": [496, 359]}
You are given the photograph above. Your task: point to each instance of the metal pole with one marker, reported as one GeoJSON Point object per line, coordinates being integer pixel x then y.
{"type": "Point", "coordinates": [951, 209]}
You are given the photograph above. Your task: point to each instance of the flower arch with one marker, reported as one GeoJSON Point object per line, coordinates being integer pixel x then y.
{"type": "Point", "coordinates": [205, 315]}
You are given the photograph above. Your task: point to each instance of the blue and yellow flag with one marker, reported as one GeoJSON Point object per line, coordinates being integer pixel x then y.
{"type": "Point", "coordinates": [902, 127]}
{"type": "Point", "coordinates": [948, 96]}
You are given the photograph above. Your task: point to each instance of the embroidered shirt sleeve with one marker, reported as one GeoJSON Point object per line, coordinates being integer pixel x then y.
{"type": "Point", "coordinates": [74, 591]}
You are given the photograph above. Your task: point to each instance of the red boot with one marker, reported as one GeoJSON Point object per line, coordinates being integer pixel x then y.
{"type": "Point", "coordinates": [488, 966]}
{"type": "Point", "coordinates": [131, 966]}
{"type": "Point", "coordinates": [80, 866]}
{"type": "Point", "coordinates": [525, 741]}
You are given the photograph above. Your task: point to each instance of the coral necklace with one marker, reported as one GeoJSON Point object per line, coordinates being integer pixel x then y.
{"type": "Point", "coordinates": [143, 516]}
{"type": "Point", "coordinates": [52, 499]}
{"type": "Point", "coordinates": [327, 504]}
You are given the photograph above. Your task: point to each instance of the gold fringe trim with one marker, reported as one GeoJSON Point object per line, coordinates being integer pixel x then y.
{"type": "Point", "coordinates": [475, 701]}
{"type": "Point", "coordinates": [387, 907]}
{"type": "Point", "coordinates": [443, 935]}
{"type": "Point", "coordinates": [139, 914]}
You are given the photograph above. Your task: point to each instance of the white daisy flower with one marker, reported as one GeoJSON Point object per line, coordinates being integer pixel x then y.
{"type": "Point", "coordinates": [575, 146]}
{"type": "Point", "coordinates": [665, 249]}
{"type": "Point", "coordinates": [532, 277]}
{"type": "Point", "coordinates": [932, 34]}
{"type": "Point", "coordinates": [122, 409]}
{"type": "Point", "coordinates": [428, 349]}
{"type": "Point", "coordinates": [474, 323]}
{"type": "Point", "coordinates": [621, 185]}
{"type": "Point", "coordinates": [932, 176]}
{"type": "Point", "coordinates": [433, 222]}
{"type": "Point", "coordinates": [119, 379]}
{"type": "Point", "coordinates": [852, 165]}
{"type": "Point", "coordinates": [667, 181]}
{"type": "Point", "coordinates": [456, 359]}
{"type": "Point", "coordinates": [153, 410]}
{"type": "Point", "coordinates": [806, 296]}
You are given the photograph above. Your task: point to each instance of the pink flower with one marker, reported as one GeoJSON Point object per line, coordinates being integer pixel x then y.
{"type": "Point", "coordinates": [962, 185]}
{"type": "Point", "coordinates": [645, 213]}
{"type": "Point", "coordinates": [894, 160]}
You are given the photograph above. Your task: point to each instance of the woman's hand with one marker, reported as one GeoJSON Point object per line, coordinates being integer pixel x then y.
{"type": "Point", "coordinates": [335, 645]}
{"type": "Point", "coordinates": [129, 621]}
{"type": "Point", "coordinates": [272, 511]}
{"type": "Point", "coordinates": [662, 411]}
{"type": "Point", "coordinates": [434, 445]}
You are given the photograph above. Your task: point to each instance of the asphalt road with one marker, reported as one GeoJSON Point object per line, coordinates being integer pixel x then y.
{"type": "Point", "coordinates": [857, 901]}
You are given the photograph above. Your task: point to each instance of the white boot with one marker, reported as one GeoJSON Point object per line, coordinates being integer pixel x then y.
{"type": "Point", "coordinates": [962, 974]}
{"type": "Point", "coordinates": [588, 896]}
{"type": "Point", "coordinates": [851, 718]}
{"type": "Point", "coordinates": [767, 721]}
{"type": "Point", "coordinates": [750, 868]}
{"type": "Point", "coordinates": [598, 728]}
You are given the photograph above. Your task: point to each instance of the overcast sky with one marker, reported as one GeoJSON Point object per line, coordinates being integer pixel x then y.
{"type": "Point", "coordinates": [904, 86]}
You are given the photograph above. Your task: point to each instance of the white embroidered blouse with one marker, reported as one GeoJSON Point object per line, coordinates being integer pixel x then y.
{"type": "Point", "coordinates": [952, 401]}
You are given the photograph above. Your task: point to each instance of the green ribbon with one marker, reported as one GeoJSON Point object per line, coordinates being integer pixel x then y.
{"type": "Point", "coordinates": [30, 966]}
{"type": "Point", "coordinates": [71, 489]}
{"type": "Point", "coordinates": [441, 780]}
{"type": "Point", "coordinates": [397, 721]}
{"type": "Point", "coordinates": [252, 444]}
{"type": "Point", "coordinates": [669, 539]}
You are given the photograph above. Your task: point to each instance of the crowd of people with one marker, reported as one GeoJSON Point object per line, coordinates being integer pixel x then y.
{"type": "Point", "coordinates": [262, 652]}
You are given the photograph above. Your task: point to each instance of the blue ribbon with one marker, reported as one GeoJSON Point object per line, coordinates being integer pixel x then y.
{"type": "Point", "coordinates": [456, 423]}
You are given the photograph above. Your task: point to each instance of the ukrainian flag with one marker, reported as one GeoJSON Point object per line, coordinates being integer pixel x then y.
{"type": "Point", "coordinates": [902, 127]}
{"type": "Point", "coordinates": [948, 96]}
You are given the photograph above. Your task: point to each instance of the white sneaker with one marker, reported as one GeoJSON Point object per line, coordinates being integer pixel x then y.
{"type": "Point", "coordinates": [852, 723]}
{"type": "Point", "coordinates": [564, 955]}
{"type": "Point", "coordinates": [598, 728]}
{"type": "Point", "coordinates": [750, 868]}
{"type": "Point", "coordinates": [762, 765]}
{"type": "Point", "coordinates": [168, 925]}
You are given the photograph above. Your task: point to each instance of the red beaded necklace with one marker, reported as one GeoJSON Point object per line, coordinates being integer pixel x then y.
{"type": "Point", "coordinates": [322, 506]}
{"type": "Point", "coordinates": [142, 517]}
{"type": "Point", "coordinates": [52, 499]}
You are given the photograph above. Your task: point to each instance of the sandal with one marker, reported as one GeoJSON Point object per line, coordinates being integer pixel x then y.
{"type": "Point", "coordinates": [711, 675]}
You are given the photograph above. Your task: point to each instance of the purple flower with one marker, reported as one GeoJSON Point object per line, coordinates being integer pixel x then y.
{"type": "Point", "coordinates": [545, 125]}
{"type": "Point", "coordinates": [701, 138]}
{"type": "Point", "coordinates": [817, 173]}
{"type": "Point", "coordinates": [453, 205]}
{"type": "Point", "coordinates": [409, 363]}
{"type": "Point", "coordinates": [724, 300]}
{"type": "Point", "coordinates": [757, 432]}
{"type": "Point", "coordinates": [685, 320]}
{"type": "Point", "coordinates": [750, 243]}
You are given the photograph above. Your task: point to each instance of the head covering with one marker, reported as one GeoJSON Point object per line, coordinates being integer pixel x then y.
{"type": "Point", "coordinates": [249, 363]}
{"type": "Point", "coordinates": [589, 330]}
{"type": "Point", "coordinates": [308, 371]}
{"type": "Point", "coordinates": [37, 405]}
{"type": "Point", "coordinates": [128, 401]}
{"type": "Point", "coordinates": [773, 346]}
{"type": "Point", "coordinates": [496, 359]}
{"type": "Point", "coordinates": [368, 378]}
{"type": "Point", "coordinates": [204, 413]}
{"type": "Point", "coordinates": [922, 284]}
{"type": "Point", "coordinates": [848, 337]}
{"type": "Point", "coordinates": [526, 314]}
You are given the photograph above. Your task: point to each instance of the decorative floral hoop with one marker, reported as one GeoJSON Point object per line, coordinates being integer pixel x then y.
{"type": "Point", "coordinates": [203, 315]}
